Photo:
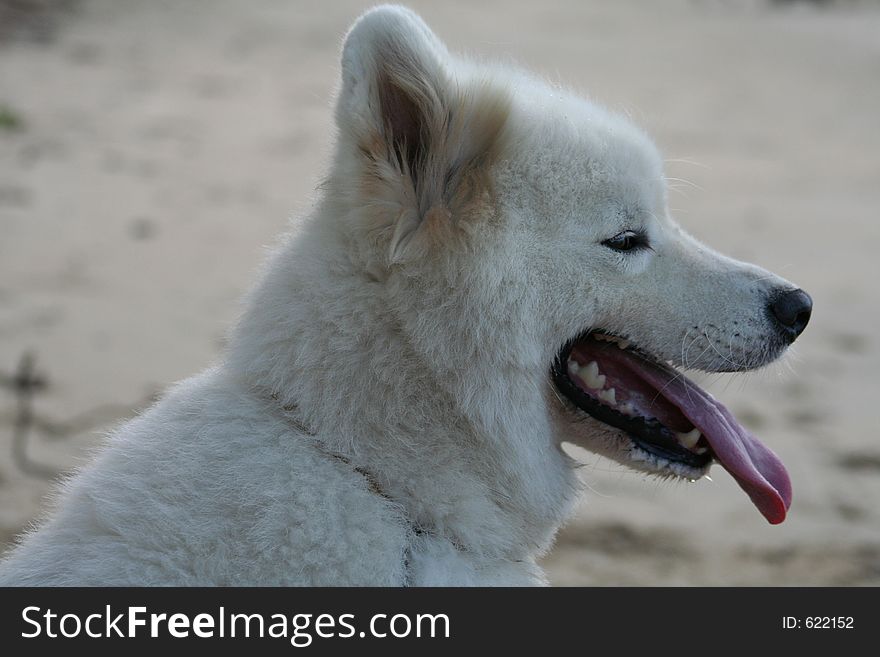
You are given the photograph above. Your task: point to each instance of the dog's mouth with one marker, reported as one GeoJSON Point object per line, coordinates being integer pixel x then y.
{"type": "Point", "coordinates": [669, 420]}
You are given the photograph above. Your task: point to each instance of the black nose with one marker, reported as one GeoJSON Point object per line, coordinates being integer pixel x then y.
{"type": "Point", "coordinates": [792, 310]}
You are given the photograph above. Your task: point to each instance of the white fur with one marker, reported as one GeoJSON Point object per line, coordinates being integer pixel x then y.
{"type": "Point", "coordinates": [384, 413]}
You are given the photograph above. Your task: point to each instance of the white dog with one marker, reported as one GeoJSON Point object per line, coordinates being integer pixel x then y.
{"type": "Point", "coordinates": [491, 271]}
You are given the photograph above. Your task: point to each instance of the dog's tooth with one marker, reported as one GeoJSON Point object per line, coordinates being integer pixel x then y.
{"type": "Point", "coordinates": [573, 366]}
{"type": "Point", "coordinates": [688, 439]}
{"type": "Point", "coordinates": [623, 344]}
{"type": "Point", "coordinates": [590, 375]}
{"type": "Point", "coordinates": [608, 396]}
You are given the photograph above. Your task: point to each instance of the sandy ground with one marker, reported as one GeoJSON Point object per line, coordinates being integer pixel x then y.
{"type": "Point", "coordinates": [149, 151]}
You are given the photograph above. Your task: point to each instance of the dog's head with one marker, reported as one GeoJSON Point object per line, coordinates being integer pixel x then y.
{"type": "Point", "coordinates": [522, 237]}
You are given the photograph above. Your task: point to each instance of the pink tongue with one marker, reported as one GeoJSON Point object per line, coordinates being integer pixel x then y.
{"type": "Point", "coordinates": [757, 470]}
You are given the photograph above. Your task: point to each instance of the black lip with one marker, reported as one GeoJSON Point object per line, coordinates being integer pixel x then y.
{"type": "Point", "coordinates": [649, 434]}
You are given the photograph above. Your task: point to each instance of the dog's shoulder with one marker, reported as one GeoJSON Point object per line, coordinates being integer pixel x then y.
{"type": "Point", "coordinates": [209, 488]}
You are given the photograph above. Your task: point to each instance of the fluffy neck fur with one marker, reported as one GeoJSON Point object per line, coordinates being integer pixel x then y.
{"type": "Point", "coordinates": [432, 401]}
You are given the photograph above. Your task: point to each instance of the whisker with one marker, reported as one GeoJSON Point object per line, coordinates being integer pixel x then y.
{"type": "Point", "coordinates": [685, 182]}
{"type": "Point", "coordinates": [684, 160]}
{"type": "Point", "coordinates": [722, 356]}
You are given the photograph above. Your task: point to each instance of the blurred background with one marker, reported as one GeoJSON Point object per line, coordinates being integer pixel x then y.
{"type": "Point", "coordinates": [149, 151]}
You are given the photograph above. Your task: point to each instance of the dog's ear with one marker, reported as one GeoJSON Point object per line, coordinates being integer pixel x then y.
{"type": "Point", "coordinates": [393, 80]}
{"type": "Point", "coordinates": [419, 135]}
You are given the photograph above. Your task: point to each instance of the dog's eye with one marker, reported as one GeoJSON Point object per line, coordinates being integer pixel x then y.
{"type": "Point", "coordinates": [628, 240]}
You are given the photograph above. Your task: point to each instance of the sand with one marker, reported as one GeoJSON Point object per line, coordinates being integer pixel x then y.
{"type": "Point", "coordinates": [149, 151]}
